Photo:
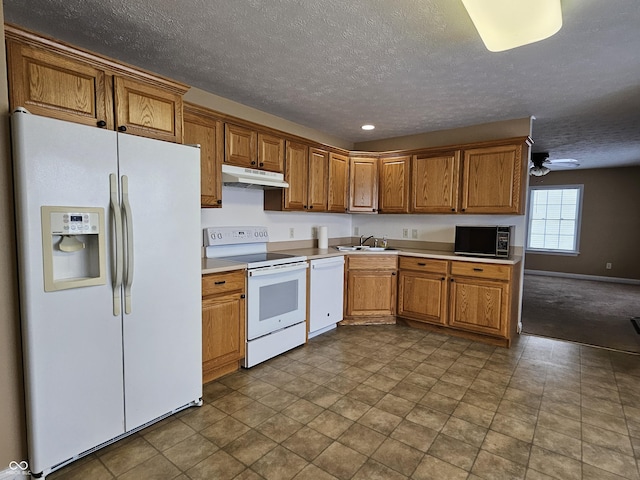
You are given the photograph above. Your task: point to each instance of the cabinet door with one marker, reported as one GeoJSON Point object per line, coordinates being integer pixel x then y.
{"type": "Point", "coordinates": [146, 110]}
{"type": "Point", "coordinates": [394, 185]}
{"type": "Point", "coordinates": [435, 183]}
{"type": "Point", "coordinates": [338, 183]}
{"type": "Point", "coordinates": [270, 153]}
{"type": "Point", "coordinates": [296, 174]}
{"type": "Point", "coordinates": [492, 180]}
{"type": "Point", "coordinates": [479, 305]}
{"type": "Point", "coordinates": [422, 297]}
{"type": "Point", "coordinates": [53, 85]}
{"type": "Point", "coordinates": [371, 293]}
{"type": "Point", "coordinates": [317, 188]}
{"type": "Point", "coordinates": [363, 185]}
{"type": "Point", "coordinates": [208, 133]}
{"type": "Point", "coordinates": [240, 146]}
{"type": "Point", "coordinates": [223, 336]}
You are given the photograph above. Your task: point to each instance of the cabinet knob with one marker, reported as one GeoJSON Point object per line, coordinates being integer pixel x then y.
{"type": "Point", "coordinates": [262, 164]}
{"type": "Point", "coordinates": [219, 202]}
{"type": "Point", "coordinates": [452, 279]}
{"type": "Point", "coordinates": [243, 295]}
{"type": "Point", "coordinates": [102, 123]}
{"type": "Point", "coordinates": [122, 128]}
{"type": "Point", "coordinates": [453, 209]}
{"type": "Point", "coordinates": [304, 206]}
{"type": "Point", "coordinates": [393, 273]}
{"type": "Point", "coordinates": [253, 163]}
{"type": "Point", "coordinates": [310, 206]}
{"type": "Point", "coordinates": [463, 209]}
{"type": "Point", "coordinates": [442, 278]}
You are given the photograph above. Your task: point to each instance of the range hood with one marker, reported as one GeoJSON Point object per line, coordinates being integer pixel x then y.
{"type": "Point", "coordinates": [242, 177]}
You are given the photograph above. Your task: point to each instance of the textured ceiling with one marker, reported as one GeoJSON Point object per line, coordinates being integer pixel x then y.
{"type": "Point", "coordinates": [407, 66]}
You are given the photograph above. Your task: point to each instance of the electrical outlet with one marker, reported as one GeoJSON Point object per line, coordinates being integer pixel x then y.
{"type": "Point", "coordinates": [292, 232]}
{"type": "Point", "coordinates": [356, 231]}
{"type": "Point", "coordinates": [405, 233]}
{"type": "Point", "coordinates": [608, 266]}
{"type": "Point", "coordinates": [414, 233]}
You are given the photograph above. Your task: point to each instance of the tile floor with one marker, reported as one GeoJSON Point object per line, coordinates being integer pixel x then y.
{"type": "Point", "coordinates": [390, 402]}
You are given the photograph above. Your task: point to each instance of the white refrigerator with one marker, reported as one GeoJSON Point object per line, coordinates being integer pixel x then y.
{"type": "Point", "coordinates": [109, 242]}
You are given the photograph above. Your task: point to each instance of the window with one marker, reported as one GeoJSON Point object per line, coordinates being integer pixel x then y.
{"type": "Point", "coordinates": [554, 218]}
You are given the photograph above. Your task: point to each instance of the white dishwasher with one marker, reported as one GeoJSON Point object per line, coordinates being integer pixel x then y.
{"type": "Point", "coordinates": [326, 294]}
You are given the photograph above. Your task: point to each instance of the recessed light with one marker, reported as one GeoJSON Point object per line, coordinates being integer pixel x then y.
{"type": "Point", "coordinates": [368, 127]}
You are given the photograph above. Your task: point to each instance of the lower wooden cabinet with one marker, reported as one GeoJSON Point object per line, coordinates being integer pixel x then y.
{"type": "Point", "coordinates": [422, 290]}
{"type": "Point", "coordinates": [223, 323]}
{"type": "Point", "coordinates": [468, 298]}
{"type": "Point", "coordinates": [370, 291]}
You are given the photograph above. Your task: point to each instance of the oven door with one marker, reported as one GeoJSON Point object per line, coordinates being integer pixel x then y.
{"type": "Point", "coordinates": [276, 298]}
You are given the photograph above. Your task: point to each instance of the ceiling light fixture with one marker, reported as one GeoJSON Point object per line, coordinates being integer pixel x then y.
{"type": "Point", "coordinates": [368, 127]}
{"type": "Point", "coordinates": [506, 24]}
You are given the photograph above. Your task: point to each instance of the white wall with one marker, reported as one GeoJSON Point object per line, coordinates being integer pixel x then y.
{"type": "Point", "coordinates": [432, 228]}
{"type": "Point", "coordinates": [244, 207]}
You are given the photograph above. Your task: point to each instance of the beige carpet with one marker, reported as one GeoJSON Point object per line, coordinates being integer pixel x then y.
{"type": "Point", "coordinates": [583, 311]}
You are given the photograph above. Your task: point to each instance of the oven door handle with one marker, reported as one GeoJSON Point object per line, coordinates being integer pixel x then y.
{"type": "Point", "coordinates": [276, 270]}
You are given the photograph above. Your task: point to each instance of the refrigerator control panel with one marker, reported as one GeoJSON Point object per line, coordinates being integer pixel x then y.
{"type": "Point", "coordinates": [74, 223]}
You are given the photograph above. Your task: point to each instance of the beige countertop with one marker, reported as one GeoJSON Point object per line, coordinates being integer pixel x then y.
{"type": "Point", "coordinates": [214, 265]}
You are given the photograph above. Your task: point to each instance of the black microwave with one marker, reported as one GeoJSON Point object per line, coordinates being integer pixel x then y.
{"type": "Point", "coordinates": [483, 241]}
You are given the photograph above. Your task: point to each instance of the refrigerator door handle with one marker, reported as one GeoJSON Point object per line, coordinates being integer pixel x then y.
{"type": "Point", "coordinates": [118, 259]}
{"type": "Point", "coordinates": [128, 224]}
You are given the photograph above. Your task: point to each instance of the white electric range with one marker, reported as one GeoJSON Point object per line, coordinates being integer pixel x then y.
{"type": "Point", "coordinates": [276, 290]}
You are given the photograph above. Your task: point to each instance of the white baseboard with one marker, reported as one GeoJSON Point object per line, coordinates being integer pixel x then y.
{"type": "Point", "coordinates": [580, 276]}
{"type": "Point", "coordinates": [15, 473]}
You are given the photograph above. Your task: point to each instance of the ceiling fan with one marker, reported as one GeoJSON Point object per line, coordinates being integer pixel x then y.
{"type": "Point", "coordinates": [541, 164]}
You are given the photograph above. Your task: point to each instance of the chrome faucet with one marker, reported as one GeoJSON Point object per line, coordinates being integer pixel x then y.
{"type": "Point", "coordinates": [362, 242]}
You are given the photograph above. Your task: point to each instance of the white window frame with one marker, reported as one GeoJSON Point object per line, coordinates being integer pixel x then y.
{"type": "Point", "coordinates": [549, 251]}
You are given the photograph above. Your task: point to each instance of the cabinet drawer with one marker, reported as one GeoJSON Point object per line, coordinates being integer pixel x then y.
{"type": "Point", "coordinates": [481, 270]}
{"type": "Point", "coordinates": [423, 264]}
{"type": "Point", "coordinates": [372, 262]}
{"type": "Point", "coordinates": [219, 283]}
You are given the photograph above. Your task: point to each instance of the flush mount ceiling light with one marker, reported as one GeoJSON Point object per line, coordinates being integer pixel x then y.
{"type": "Point", "coordinates": [368, 127]}
{"type": "Point", "coordinates": [505, 24]}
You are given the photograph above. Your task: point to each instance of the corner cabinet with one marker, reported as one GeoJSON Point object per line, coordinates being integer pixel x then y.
{"type": "Point", "coordinates": [53, 79]}
{"type": "Point", "coordinates": [363, 185]}
{"type": "Point", "coordinates": [201, 127]}
{"type": "Point", "coordinates": [370, 289]}
{"type": "Point", "coordinates": [338, 193]}
{"type": "Point", "coordinates": [223, 323]}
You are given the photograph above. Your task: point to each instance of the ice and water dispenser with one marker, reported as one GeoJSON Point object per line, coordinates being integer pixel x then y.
{"type": "Point", "coordinates": [73, 245]}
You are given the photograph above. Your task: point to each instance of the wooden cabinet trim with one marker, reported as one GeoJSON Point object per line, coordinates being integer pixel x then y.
{"type": "Point", "coordinates": [113, 67]}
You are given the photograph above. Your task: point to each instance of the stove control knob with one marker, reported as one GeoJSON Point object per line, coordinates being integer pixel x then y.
{"type": "Point", "coordinates": [219, 235]}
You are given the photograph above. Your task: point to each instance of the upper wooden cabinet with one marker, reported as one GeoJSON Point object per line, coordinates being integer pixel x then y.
{"type": "Point", "coordinates": [318, 180]}
{"type": "Point", "coordinates": [493, 179]}
{"type": "Point", "coordinates": [363, 185]}
{"type": "Point", "coordinates": [54, 79]}
{"type": "Point", "coordinates": [240, 146]}
{"type": "Point", "coordinates": [435, 182]}
{"type": "Point", "coordinates": [305, 170]}
{"type": "Point", "coordinates": [338, 196]}
{"type": "Point", "coordinates": [204, 129]}
{"type": "Point", "coordinates": [394, 184]}
{"type": "Point", "coordinates": [246, 147]}
{"type": "Point", "coordinates": [270, 153]}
